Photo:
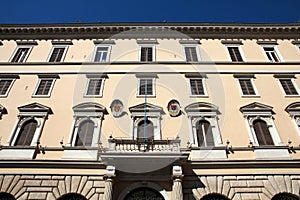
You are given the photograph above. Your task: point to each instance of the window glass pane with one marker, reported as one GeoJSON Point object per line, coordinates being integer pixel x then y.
{"type": "Point", "coordinates": [197, 87]}
{"type": "Point", "coordinates": [57, 54]}
{"type": "Point", "coordinates": [288, 87]}
{"type": "Point", "coordinates": [146, 87]}
{"type": "Point", "coordinates": [20, 55]}
{"type": "Point", "coordinates": [247, 87]}
{"type": "Point", "coordinates": [204, 133]}
{"type": "Point", "coordinates": [146, 54]}
{"type": "Point", "coordinates": [26, 133]}
{"type": "Point", "coordinates": [262, 132]}
{"type": "Point", "coordinates": [235, 54]}
{"type": "Point", "coordinates": [191, 54]}
{"type": "Point", "coordinates": [101, 54]}
{"type": "Point", "coordinates": [94, 87]}
{"type": "Point", "coordinates": [271, 54]}
{"type": "Point", "coordinates": [85, 133]}
{"type": "Point", "coordinates": [145, 130]}
{"type": "Point", "coordinates": [4, 86]}
{"type": "Point", "coordinates": [44, 87]}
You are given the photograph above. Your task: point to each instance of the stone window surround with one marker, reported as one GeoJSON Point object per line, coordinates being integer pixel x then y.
{"type": "Point", "coordinates": [250, 77]}
{"type": "Point", "coordinates": [52, 77]}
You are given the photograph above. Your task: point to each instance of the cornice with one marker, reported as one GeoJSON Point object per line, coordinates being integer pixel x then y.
{"type": "Point", "coordinates": [149, 30]}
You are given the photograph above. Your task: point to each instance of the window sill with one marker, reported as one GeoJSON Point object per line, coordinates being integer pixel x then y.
{"type": "Point", "coordinates": [41, 96]}
{"type": "Point", "coordinates": [292, 96]}
{"type": "Point", "coordinates": [80, 154]}
{"type": "Point", "coordinates": [17, 152]}
{"type": "Point", "coordinates": [250, 96]}
{"type": "Point", "coordinates": [92, 96]}
{"type": "Point", "coordinates": [148, 96]}
{"type": "Point", "coordinates": [199, 96]}
{"type": "Point", "coordinates": [3, 96]}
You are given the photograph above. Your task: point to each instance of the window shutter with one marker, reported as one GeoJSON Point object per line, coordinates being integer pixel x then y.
{"type": "Point", "coordinates": [197, 87]}
{"type": "Point", "coordinates": [288, 87]}
{"type": "Point", "coordinates": [247, 87]}
{"type": "Point", "coordinates": [235, 54]}
{"type": "Point", "coordinates": [4, 85]}
{"type": "Point", "coordinates": [149, 130]}
{"type": "Point", "coordinates": [204, 133]}
{"type": "Point", "coordinates": [26, 133]}
{"type": "Point", "coordinates": [44, 87]}
{"type": "Point", "coordinates": [262, 133]}
{"type": "Point", "coordinates": [57, 54]}
{"type": "Point", "coordinates": [85, 133]}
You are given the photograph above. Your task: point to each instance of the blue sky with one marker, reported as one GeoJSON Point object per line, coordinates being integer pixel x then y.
{"type": "Point", "coordinates": [89, 11]}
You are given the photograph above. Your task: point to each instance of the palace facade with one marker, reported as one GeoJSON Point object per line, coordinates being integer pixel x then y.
{"type": "Point", "coordinates": [164, 111]}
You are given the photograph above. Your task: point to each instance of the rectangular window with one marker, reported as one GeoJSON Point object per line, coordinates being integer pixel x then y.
{"type": "Point", "coordinates": [288, 87]}
{"type": "Point", "coordinates": [191, 54]}
{"type": "Point", "coordinates": [21, 54]}
{"type": "Point", "coordinates": [5, 85]}
{"type": "Point", "coordinates": [94, 87]}
{"type": "Point", "coordinates": [271, 54]}
{"type": "Point", "coordinates": [247, 87]}
{"type": "Point", "coordinates": [235, 54]}
{"type": "Point", "coordinates": [102, 54]}
{"type": "Point", "coordinates": [146, 87]}
{"type": "Point", "coordinates": [57, 54]}
{"type": "Point", "coordinates": [146, 54]}
{"type": "Point", "coordinates": [197, 87]}
{"type": "Point", "coordinates": [44, 87]}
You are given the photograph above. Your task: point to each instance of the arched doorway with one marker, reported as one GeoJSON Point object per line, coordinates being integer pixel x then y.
{"type": "Point", "coordinates": [214, 197]}
{"type": "Point", "coordinates": [285, 196]}
{"type": "Point", "coordinates": [6, 196]}
{"type": "Point", "coordinates": [144, 193]}
{"type": "Point", "coordinates": [72, 196]}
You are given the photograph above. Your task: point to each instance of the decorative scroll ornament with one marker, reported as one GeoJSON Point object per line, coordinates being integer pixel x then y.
{"type": "Point", "coordinates": [174, 108]}
{"type": "Point", "coordinates": [117, 108]}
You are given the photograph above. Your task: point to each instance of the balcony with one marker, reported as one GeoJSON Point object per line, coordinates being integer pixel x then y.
{"type": "Point", "coordinates": [143, 145]}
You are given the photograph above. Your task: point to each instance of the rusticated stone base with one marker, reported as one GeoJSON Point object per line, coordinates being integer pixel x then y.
{"type": "Point", "coordinates": [260, 187]}
{"type": "Point", "coordinates": [51, 187]}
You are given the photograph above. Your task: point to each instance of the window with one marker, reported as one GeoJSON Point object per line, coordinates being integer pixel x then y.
{"type": "Point", "coordinates": [102, 54]}
{"type": "Point", "coordinates": [204, 133]}
{"type": "Point", "coordinates": [5, 85]}
{"type": "Point", "coordinates": [146, 126]}
{"type": "Point", "coordinates": [147, 54]}
{"type": "Point", "coordinates": [94, 87]}
{"type": "Point", "coordinates": [191, 54]}
{"type": "Point", "coordinates": [145, 129]}
{"type": "Point", "coordinates": [2, 111]}
{"type": "Point", "coordinates": [197, 87]}
{"type": "Point", "coordinates": [285, 196]}
{"type": "Point", "coordinates": [288, 86]}
{"type": "Point", "coordinates": [259, 118]}
{"type": "Point", "coordinates": [57, 53]}
{"type": "Point", "coordinates": [85, 133]}
{"type": "Point", "coordinates": [294, 111]}
{"type": "Point", "coordinates": [26, 133]}
{"type": "Point", "coordinates": [204, 124]}
{"type": "Point", "coordinates": [87, 125]}
{"type": "Point", "coordinates": [146, 85]}
{"type": "Point", "coordinates": [271, 54]}
{"type": "Point", "coordinates": [45, 85]}
{"type": "Point", "coordinates": [247, 87]}
{"type": "Point", "coordinates": [235, 54]}
{"type": "Point", "coordinates": [21, 54]}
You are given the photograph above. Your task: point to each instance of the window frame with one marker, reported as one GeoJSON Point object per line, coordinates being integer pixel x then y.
{"type": "Point", "coordinates": [196, 49]}
{"type": "Point", "coordinates": [38, 85]}
{"type": "Point", "coordinates": [153, 80]}
{"type": "Point", "coordinates": [109, 47]}
{"type": "Point", "coordinates": [9, 87]}
{"type": "Point", "coordinates": [246, 77]}
{"type": "Point", "coordinates": [66, 47]}
{"type": "Point", "coordinates": [30, 47]}
{"type": "Point", "coordinates": [153, 46]}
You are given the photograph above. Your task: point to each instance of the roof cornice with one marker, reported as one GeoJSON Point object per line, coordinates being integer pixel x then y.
{"type": "Point", "coordinates": [155, 30]}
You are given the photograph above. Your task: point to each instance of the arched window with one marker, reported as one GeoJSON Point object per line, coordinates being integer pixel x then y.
{"type": "Point", "coordinates": [72, 197]}
{"type": "Point", "coordinates": [214, 197]}
{"type": "Point", "coordinates": [204, 133]}
{"type": "Point", "coordinates": [145, 129]}
{"type": "Point", "coordinates": [85, 133]}
{"type": "Point", "coordinates": [26, 133]}
{"type": "Point", "coordinates": [6, 196]}
{"type": "Point", "coordinates": [285, 196]}
{"type": "Point", "coordinates": [262, 132]}
{"type": "Point", "coordinates": [144, 193]}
